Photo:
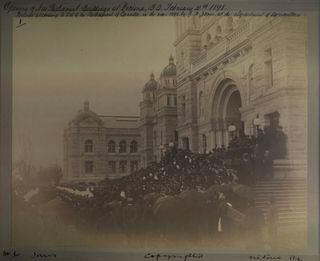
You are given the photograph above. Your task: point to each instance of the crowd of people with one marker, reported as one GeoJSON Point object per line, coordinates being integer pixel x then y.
{"type": "Point", "coordinates": [177, 171]}
{"type": "Point", "coordinates": [253, 156]}
{"type": "Point", "coordinates": [244, 161]}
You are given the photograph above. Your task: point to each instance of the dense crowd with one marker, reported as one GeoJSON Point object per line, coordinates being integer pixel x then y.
{"type": "Point", "coordinates": [246, 160]}
{"type": "Point", "coordinates": [133, 201]}
{"type": "Point", "coordinates": [178, 170]}
{"type": "Point", "coordinates": [123, 202]}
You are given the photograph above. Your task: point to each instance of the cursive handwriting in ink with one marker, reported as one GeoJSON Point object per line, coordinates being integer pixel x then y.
{"type": "Point", "coordinates": [42, 255]}
{"type": "Point", "coordinates": [7, 253]}
{"type": "Point", "coordinates": [159, 256]}
{"type": "Point", "coordinates": [295, 258]}
{"type": "Point", "coordinates": [264, 257]}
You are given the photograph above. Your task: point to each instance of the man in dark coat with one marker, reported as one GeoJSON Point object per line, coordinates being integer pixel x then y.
{"type": "Point", "coordinates": [267, 165]}
{"type": "Point", "coordinates": [244, 170]}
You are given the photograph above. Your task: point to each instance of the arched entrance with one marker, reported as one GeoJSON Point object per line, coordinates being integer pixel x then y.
{"type": "Point", "coordinates": [226, 116]}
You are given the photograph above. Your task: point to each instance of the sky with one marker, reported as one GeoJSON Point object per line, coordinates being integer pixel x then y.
{"type": "Point", "coordinates": [59, 63]}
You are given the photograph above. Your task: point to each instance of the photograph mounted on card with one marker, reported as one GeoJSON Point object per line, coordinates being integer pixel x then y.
{"type": "Point", "coordinates": [187, 135]}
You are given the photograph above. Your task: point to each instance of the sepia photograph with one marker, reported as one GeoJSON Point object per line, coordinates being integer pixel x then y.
{"type": "Point", "coordinates": [170, 133]}
{"type": "Point", "coordinates": [154, 132]}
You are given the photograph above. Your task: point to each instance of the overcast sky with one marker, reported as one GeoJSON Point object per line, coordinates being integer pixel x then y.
{"type": "Point", "coordinates": [58, 63]}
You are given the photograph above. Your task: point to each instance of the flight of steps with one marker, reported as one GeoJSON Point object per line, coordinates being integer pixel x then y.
{"type": "Point", "coordinates": [290, 198]}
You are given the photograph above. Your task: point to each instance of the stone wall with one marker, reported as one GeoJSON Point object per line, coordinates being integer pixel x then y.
{"type": "Point", "coordinates": [265, 58]}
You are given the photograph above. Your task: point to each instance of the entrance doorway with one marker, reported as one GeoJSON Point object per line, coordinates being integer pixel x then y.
{"type": "Point", "coordinates": [233, 115]}
{"type": "Point", "coordinates": [272, 120]}
{"type": "Point", "coordinates": [226, 113]}
{"type": "Point", "coordinates": [185, 143]}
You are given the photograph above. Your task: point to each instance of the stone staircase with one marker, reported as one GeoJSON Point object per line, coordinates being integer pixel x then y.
{"type": "Point", "coordinates": [290, 197]}
{"type": "Point", "coordinates": [286, 169]}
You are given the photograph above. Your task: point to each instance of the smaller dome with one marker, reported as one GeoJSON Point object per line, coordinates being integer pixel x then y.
{"type": "Point", "coordinates": [170, 69]}
{"type": "Point", "coordinates": [152, 84]}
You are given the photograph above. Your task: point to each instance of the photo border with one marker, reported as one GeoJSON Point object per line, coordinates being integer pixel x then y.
{"type": "Point", "coordinates": [309, 8]}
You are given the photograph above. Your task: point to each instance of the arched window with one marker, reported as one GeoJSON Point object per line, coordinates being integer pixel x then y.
{"type": "Point", "coordinates": [122, 146]}
{"type": "Point", "coordinates": [88, 146]}
{"type": "Point", "coordinates": [111, 146]}
{"type": "Point", "coordinates": [133, 146]}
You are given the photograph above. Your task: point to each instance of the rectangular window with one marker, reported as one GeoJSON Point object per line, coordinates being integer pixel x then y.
{"type": "Point", "coordinates": [269, 73]}
{"type": "Point", "coordinates": [112, 166]}
{"type": "Point", "coordinates": [175, 100]}
{"type": "Point", "coordinates": [183, 105]}
{"type": "Point", "coordinates": [88, 146]}
{"type": "Point", "coordinates": [88, 167]}
{"type": "Point", "coordinates": [134, 166]}
{"type": "Point", "coordinates": [123, 166]}
{"type": "Point", "coordinates": [268, 68]}
{"type": "Point", "coordinates": [168, 100]}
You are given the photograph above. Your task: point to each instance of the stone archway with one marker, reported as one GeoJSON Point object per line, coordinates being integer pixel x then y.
{"type": "Point", "coordinates": [225, 111]}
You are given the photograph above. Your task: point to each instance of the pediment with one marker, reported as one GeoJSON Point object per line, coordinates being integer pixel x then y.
{"type": "Point", "coordinates": [88, 119]}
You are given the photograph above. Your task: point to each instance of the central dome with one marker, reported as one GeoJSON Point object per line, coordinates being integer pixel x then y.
{"type": "Point", "coordinates": [152, 84]}
{"type": "Point", "coordinates": [170, 69]}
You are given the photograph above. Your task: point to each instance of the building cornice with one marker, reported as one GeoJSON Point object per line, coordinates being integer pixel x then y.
{"type": "Point", "coordinates": [185, 34]}
{"type": "Point", "coordinates": [222, 61]}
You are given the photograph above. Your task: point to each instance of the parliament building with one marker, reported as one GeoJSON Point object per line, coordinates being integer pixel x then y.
{"type": "Point", "coordinates": [230, 75]}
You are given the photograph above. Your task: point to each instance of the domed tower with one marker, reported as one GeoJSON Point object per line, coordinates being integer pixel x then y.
{"type": "Point", "coordinates": [150, 88]}
{"type": "Point", "coordinates": [147, 116]}
{"type": "Point", "coordinates": [166, 127]}
{"type": "Point", "coordinates": [168, 76]}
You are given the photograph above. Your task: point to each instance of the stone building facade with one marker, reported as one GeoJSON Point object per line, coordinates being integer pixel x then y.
{"type": "Point", "coordinates": [96, 147]}
{"type": "Point", "coordinates": [247, 72]}
{"type": "Point", "coordinates": [232, 75]}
